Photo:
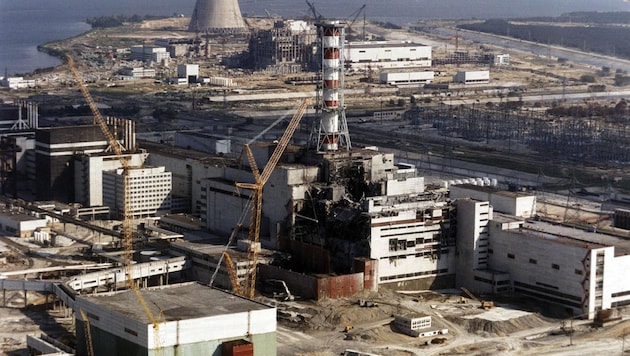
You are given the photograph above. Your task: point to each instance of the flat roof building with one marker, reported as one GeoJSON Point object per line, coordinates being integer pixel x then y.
{"type": "Point", "coordinates": [382, 54]}
{"type": "Point", "coordinates": [191, 319]}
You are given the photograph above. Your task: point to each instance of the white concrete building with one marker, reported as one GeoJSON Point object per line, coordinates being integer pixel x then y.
{"type": "Point", "coordinates": [409, 242]}
{"type": "Point", "coordinates": [138, 72]}
{"type": "Point", "coordinates": [381, 55]}
{"type": "Point", "coordinates": [188, 71]}
{"type": "Point", "coordinates": [192, 320]}
{"type": "Point", "coordinates": [88, 174]}
{"type": "Point", "coordinates": [413, 321]}
{"type": "Point", "coordinates": [150, 53]}
{"type": "Point", "coordinates": [502, 60]}
{"type": "Point", "coordinates": [414, 77]}
{"type": "Point", "coordinates": [17, 83]}
{"type": "Point", "coordinates": [512, 203]}
{"type": "Point", "coordinates": [224, 205]}
{"type": "Point", "coordinates": [472, 77]}
{"type": "Point", "coordinates": [149, 191]}
{"type": "Point", "coordinates": [19, 224]}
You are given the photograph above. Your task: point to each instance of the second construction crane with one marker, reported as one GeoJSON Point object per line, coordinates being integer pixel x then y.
{"type": "Point", "coordinates": [260, 178]}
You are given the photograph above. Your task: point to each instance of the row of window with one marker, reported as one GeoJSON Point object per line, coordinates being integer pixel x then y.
{"type": "Point", "coordinates": [416, 274]}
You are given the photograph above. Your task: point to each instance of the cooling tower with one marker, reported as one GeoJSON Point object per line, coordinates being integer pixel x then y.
{"type": "Point", "coordinates": [217, 16]}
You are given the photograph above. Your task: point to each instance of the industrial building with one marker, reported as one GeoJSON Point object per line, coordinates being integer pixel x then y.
{"type": "Point", "coordinates": [188, 71]}
{"type": "Point", "coordinates": [17, 82]}
{"type": "Point", "coordinates": [410, 77]}
{"type": "Point", "coordinates": [17, 223]}
{"type": "Point", "coordinates": [579, 269]}
{"type": "Point", "coordinates": [285, 48]}
{"type": "Point", "coordinates": [137, 72]}
{"type": "Point", "coordinates": [217, 16]}
{"type": "Point", "coordinates": [502, 60]}
{"type": "Point", "coordinates": [150, 54]}
{"type": "Point", "coordinates": [55, 148]}
{"type": "Point", "coordinates": [192, 319]}
{"type": "Point", "coordinates": [88, 174]}
{"type": "Point", "coordinates": [176, 47]}
{"type": "Point", "coordinates": [366, 56]}
{"type": "Point", "coordinates": [472, 77]}
{"type": "Point", "coordinates": [148, 191]}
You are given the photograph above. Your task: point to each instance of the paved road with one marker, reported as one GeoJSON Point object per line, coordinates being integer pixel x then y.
{"type": "Point", "coordinates": [587, 58]}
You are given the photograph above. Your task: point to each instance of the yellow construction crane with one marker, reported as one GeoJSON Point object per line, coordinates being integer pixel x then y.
{"type": "Point", "coordinates": [88, 333]}
{"type": "Point", "coordinates": [256, 205]}
{"type": "Point", "coordinates": [127, 218]}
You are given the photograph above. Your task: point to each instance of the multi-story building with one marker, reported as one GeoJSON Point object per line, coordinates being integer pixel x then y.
{"type": "Point", "coordinates": [55, 148]}
{"type": "Point", "coordinates": [88, 174]}
{"type": "Point", "coordinates": [287, 47]}
{"type": "Point", "coordinates": [148, 191]}
{"type": "Point", "coordinates": [579, 269]}
{"type": "Point", "coordinates": [150, 53]}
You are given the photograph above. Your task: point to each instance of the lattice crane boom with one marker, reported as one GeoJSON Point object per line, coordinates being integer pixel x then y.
{"type": "Point", "coordinates": [127, 218]}
{"type": "Point", "coordinates": [257, 189]}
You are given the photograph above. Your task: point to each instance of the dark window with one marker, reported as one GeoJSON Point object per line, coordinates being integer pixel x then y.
{"type": "Point", "coordinates": [531, 260]}
{"type": "Point", "coordinates": [579, 271]}
{"type": "Point", "coordinates": [555, 266]}
{"type": "Point", "coordinates": [511, 255]}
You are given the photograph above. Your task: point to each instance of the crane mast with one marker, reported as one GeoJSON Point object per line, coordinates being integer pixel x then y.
{"type": "Point", "coordinates": [127, 233]}
{"type": "Point", "coordinates": [256, 204]}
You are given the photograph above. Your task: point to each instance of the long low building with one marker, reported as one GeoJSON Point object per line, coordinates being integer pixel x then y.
{"type": "Point", "coordinates": [413, 77]}
{"type": "Point", "coordinates": [385, 54]}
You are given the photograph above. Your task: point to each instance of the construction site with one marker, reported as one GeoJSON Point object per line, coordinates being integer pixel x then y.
{"type": "Point", "coordinates": [275, 198]}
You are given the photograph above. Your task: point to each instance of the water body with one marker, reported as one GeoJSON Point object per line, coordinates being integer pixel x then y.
{"type": "Point", "coordinates": [24, 24]}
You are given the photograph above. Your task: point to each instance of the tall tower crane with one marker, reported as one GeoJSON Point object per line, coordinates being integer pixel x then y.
{"type": "Point", "coordinates": [256, 205]}
{"type": "Point", "coordinates": [127, 218]}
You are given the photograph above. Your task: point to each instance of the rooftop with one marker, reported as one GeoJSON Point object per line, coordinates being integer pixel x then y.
{"type": "Point", "coordinates": [575, 236]}
{"type": "Point", "coordinates": [176, 302]}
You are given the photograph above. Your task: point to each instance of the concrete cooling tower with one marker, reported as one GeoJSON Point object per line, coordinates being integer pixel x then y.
{"type": "Point", "coordinates": [217, 16]}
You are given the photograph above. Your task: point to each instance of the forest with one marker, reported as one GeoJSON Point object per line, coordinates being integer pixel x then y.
{"type": "Point", "coordinates": [603, 33]}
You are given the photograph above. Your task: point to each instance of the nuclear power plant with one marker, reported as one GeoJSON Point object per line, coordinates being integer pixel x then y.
{"type": "Point", "coordinates": [217, 16]}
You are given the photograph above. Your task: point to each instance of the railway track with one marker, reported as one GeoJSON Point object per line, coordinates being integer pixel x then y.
{"type": "Point", "coordinates": [20, 249]}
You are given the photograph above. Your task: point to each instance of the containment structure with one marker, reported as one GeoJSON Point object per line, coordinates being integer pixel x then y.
{"type": "Point", "coordinates": [217, 16]}
{"type": "Point", "coordinates": [191, 319]}
{"type": "Point", "coordinates": [333, 127]}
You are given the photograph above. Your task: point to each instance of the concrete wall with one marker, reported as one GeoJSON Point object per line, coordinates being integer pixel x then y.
{"type": "Point", "coordinates": [339, 286]}
{"type": "Point", "coordinates": [472, 240]}
{"type": "Point", "coordinates": [521, 205]}
{"type": "Point", "coordinates": [531, 261]}
{"type": "Point", "coordinates": [106, 344]}
{"type": "Point", "coordinates": [306, 256]}
{"type": "Point", "coordinates": [187, 176]}
{"type": "Point", "coordinates": [419, 254]}
{"type": "Point", "coordinates": [315, 287]}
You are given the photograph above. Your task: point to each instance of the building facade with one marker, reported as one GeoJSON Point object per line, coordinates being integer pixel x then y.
{"type": "Point", "coordinates": [148, 191]}
{"type": "Point", "coordinates": [55, 148]}
{"type": "Point", "coordinates": [365, 56]}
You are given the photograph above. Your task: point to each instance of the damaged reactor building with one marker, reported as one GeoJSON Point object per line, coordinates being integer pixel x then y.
{"type": "Point", "coordinates": [339, 210]}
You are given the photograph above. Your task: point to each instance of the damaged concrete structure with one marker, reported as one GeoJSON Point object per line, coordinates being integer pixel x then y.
{"type": "Point", "coordinates": [285, 48]}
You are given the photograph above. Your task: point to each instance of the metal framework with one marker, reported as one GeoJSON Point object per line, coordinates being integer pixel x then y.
{"type": "Point", "coordinates": [127, 218]}
{"type": "Point", "coordinates": [256, 205]}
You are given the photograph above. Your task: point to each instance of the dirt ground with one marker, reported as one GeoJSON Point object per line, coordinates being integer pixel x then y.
{"type": "Point", "coordinates": [514, 327]}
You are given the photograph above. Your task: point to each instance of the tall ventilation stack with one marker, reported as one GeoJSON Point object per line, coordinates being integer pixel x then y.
{"type": "Point", "coordinates": [217, 16]}
{"type": "Point", "coordinates": [333, 127]}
